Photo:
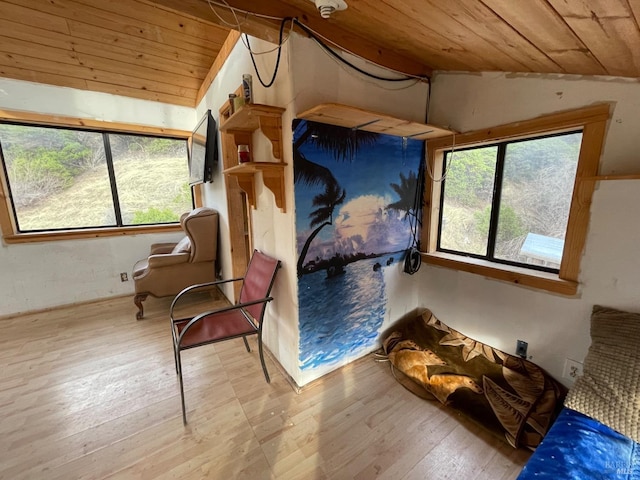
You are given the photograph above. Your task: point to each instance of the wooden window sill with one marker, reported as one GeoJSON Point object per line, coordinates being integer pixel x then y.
{"type": "Point", "coordinates": [88, 233]}
{"type": "Point", "coordinates": [550, 282]}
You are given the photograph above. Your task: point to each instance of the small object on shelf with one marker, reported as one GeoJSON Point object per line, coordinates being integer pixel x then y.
{"type": "Point", "coordinates": [247, 88]}
{"type": "Point", "coordinates": [238, 103]}
{"type": "Point", "coordinates": [232, 100]}
{"type": "Point", "coordinates": [243, 154]}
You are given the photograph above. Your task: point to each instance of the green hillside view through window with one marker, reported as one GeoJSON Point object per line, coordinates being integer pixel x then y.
{"type": "Point", "coordinates": [510, 202]}
{"type": "Point", "coordinates": [62, 178]}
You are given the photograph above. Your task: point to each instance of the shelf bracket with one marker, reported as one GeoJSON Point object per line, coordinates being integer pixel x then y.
{"type": "Point", "coordinates": [245, 182]}
{"type": "Point", "coordinates": [274, 181]}
{"type": "Point", "coordinates": [272, 129]}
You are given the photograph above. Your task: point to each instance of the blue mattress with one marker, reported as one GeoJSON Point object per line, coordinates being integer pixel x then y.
{"type": "Point", "coordinates": [581, 448]}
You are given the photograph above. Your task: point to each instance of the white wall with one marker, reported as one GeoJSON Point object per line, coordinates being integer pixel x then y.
{"type": "Point", "coordinates": [273, 230]}
{"type": "Point", "coordinates": [227, 81]}
{"type": "Point", "coordinates": [48, 99]}
{"type": "Point", "coordinates": [556, 327]}
{"type": "Point", "coordinates": [41, 275]}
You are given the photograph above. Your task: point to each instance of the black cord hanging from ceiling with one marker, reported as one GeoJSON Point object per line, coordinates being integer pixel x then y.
{"type": "Point", "coordinates": [275, 70]}
{"type": "Point", "coordinates": [413, 259]}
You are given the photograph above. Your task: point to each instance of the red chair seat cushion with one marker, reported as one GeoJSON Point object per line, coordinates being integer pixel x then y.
{"type": "Point", "coordinates": [214, 327]}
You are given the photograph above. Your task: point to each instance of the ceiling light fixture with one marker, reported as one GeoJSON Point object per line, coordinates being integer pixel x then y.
{"type": "Point", "coordinates": [327, 7]}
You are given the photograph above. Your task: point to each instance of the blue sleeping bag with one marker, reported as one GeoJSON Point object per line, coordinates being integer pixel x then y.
{"type": "Point", "coordinates": [581, 448]}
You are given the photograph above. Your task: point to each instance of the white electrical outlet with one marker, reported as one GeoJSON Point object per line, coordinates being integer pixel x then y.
{"type": "Point", "coordinates": [572, 369]}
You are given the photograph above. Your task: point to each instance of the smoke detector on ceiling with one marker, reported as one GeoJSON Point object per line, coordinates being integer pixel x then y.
{"type": "Point", "coordinates": [327, 7]}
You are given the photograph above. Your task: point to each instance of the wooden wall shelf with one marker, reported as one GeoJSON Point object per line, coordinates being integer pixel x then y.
{"type": "Point", "coordinates": [357, 118]}
{"type": "Point", "coordinates": [252, 117]}
{"type": "Point", "coordinates": [240, 126]}
{"type": "Point", "coordinates": [272, 177]}
{"type": "Point", "coordinates": [247, 118]}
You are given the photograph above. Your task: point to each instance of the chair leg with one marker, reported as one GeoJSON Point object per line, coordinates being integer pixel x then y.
{"type": "Point", "coordinates": [246, 344]}
{"type": "Point", "coordinates": [175, 346]}
{"type": "Point", "coordinates": [138, 299]}
{"type": "Point", "coordinates": [184, 409]}
{"type": "Point", "coordinates": [264, 365]}
{"type": "Point", "coordinates": [175, 356]}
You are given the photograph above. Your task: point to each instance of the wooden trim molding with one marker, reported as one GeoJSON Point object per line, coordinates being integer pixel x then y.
{"type": "Point", "coordinates": [516, 275]}
{"type": "Point", "coordinates": [592, 121]}
{"type": "Point", "coordinates": [556, 122]}
{"type": "Point", "coordinates": [87, 233]}
{"type": "Point", "coordinates": [579, 211]}
{"type": "Point", "coordinates": [7, 225]}
{"type": "Point", "coordinates": [196, 191]}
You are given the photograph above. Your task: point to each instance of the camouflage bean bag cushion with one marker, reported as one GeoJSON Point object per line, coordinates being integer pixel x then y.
{"type": "Point", "coordinates": [510, 396]}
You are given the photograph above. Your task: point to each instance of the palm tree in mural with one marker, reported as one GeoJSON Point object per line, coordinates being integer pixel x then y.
{"type": "Point", "coordinates": [406, 190]}
{"type": "Point", "coordinates": [322, 216]}
{"type": "Point", "coordinates": [343, 143]}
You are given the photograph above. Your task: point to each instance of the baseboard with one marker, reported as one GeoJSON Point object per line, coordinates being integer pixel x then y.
{"type": "Point", "coordinates": [292, 383]}
{"type": "Point", "coordinates": [64, 305]}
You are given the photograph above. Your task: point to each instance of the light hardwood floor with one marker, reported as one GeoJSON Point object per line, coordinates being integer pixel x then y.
{"type": "Point", "coordinates": [88, 392]}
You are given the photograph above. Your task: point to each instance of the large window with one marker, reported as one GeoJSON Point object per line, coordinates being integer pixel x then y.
{"type": "Point", "coordinates": [509, 202]}
{"type": "Point", "coordinates": [66, 178]}
{"type": "Point", "coordinates": [512, 202]}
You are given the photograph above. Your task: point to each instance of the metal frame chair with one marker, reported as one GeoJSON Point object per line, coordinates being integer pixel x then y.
{"type": "Point", "coordinates": [240, 320]}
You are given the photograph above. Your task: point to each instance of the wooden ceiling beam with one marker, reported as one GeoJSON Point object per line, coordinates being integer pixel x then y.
{"type": "Point", "coordinates": [268, 29]}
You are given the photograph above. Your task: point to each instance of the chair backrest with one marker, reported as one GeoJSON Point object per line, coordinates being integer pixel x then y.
{"type": "Point", "coordinates": [201, 226]}
{"type": "Point", "coordinates": [258, 281]}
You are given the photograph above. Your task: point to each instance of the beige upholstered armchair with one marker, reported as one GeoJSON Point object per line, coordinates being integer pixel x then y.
{"type": "Point", "coordinates": [172, 267]}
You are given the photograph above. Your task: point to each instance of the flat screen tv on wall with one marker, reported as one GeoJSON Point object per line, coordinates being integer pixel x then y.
{"type": "Point", "coordinates": [203, 150]}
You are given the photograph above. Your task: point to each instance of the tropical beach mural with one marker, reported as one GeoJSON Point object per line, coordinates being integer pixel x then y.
{"type": "Point", "coordinates": [355, 217]}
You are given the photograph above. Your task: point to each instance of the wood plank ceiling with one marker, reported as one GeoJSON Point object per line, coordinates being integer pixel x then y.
{"type": "Point", "coordinates": [162, 49]}
{"type": "Point", "coordinates": [124, 47]}
{"type": "Point", "coordinates": [584, 37]}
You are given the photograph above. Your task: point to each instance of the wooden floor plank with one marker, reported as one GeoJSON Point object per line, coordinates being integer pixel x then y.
{"type": "Point", "coordinates": [88, 392]}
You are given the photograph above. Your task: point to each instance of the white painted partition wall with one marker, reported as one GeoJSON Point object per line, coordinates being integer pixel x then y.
{"type": "Point", "coordinates": [272, 229]}
{"type": "Point", "coordinates": [306, 77]}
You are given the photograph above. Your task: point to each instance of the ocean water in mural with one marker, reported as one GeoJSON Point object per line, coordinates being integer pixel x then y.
{"type": "Point", "coordinates": [355, 216]}
{"type": "Point", "coordinates": [348, 319]}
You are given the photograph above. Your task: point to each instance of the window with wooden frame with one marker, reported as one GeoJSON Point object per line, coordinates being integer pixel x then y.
{"type": "Point", "coordinates": [75, 178]}
{"type": "Point", "coordinates": [512, 202]}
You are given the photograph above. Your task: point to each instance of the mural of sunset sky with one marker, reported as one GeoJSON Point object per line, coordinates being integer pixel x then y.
{"type": "Point", "coordinates": [354, 193]}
